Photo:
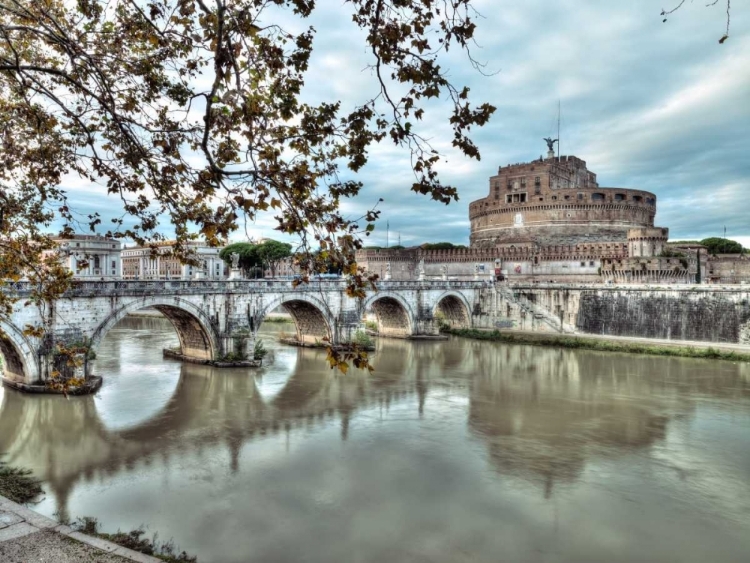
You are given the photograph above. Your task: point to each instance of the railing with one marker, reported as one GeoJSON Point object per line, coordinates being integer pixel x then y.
{"type": "Point", "coordinates": [79, 288]}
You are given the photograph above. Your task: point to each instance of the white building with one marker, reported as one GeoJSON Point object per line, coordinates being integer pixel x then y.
{"type": "Point", "coordinates": [91, 257]}
{"type": "Point", "coordinates": [141, 263]}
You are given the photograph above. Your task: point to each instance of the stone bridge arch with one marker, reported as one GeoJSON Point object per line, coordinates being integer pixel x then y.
{"type": "Point", "coordinates": [19, 359]}
{"type": "Point", "coordinates": [454, 309]}
{"type": "Point", "coordinates": [395, 315]}
{"type": "Point", "coordinates": [311, 317]}
{"type": "Point", "coordinates": [198, 337]}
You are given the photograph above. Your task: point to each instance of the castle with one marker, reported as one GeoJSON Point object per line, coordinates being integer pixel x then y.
{"type": "Point", "coordinates": [549, 220]}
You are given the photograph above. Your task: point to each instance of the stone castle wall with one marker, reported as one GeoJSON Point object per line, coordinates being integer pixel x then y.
{"type": "Point", "coordinates": [704, 313]}
{"type": "Point", "coordinates": [556, 200]}
{"type": "Point", "coordinates": [728, 268]}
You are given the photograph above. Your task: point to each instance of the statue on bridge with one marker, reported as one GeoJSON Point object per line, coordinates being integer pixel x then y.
{"type": "Point", "coordinates": [235, 258]}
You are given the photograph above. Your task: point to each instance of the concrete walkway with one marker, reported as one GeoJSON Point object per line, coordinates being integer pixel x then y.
{"type": "Point", "coordinates": [722, 346]}
{"type": "Point", "coordinates": [27, 536]}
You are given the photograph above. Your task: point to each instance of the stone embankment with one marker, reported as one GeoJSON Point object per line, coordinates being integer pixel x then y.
{"type": "Point", "coordinates": [27, 536]}
{"type": "Point", "coordinates": [695, 313]}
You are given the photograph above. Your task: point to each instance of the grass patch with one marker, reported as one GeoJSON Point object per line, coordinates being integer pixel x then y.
{"type": "Point", "coordinates": [363, 340]}
{"type": "Point", "coordinates": [278, 320]}
{"type": "Point", "coordinates": [583, 343]}
{"type": "Point", "coordinates": [135, 540]}
{"type": "Point", "coordinates": [17, 484]}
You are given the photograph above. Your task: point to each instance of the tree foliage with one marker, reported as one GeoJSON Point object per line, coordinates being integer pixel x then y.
{"type": "Point", "coordinates": [719, 245]}
{"type": "Point", "coordinates": [248, 252]}
{"type": "Point", "coordinates": [441, 246]}
{"type": "Point", "coordinates": [268, 253]}
{"type": "Point", "coordinates": [271, 252]}
{"type": "Point", "coordinates": [190, 111]}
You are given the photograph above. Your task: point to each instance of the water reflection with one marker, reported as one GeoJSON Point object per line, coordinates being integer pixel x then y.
{"type": "Point", "coordinates": [393, 464]}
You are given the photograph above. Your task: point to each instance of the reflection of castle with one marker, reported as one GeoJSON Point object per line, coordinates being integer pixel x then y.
{"type": "Point", "coordinates": [550, 220]}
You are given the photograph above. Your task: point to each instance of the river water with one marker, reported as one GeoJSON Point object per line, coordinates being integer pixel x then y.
{"type": "Point", "coordinates": [450, 451]}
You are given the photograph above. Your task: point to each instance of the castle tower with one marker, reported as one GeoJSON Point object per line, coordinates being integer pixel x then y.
{"type": "Point", "coordinates": [647, 243]}
{"type": "Point", "coordinates": [555, 201]}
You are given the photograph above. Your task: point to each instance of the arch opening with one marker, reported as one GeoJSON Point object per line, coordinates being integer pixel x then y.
{"type": "Point", "coordinates": [193, 326]}
{"type": "Point", "coordinates": [312, 326]}
{"type": "Point", "coordinates": [194, 340]}
{"type": "Point", "coordinates": [452, 310]}
{"type": "Point", "coordinates": [12, 362]}
{"type": "Point", "coordinates": [392, 318]}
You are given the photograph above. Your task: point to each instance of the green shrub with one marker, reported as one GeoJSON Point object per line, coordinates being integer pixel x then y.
{"type": "Point", "coordinates": [361, 338]}
{"type": "Point", "coordinates": [259, 350]}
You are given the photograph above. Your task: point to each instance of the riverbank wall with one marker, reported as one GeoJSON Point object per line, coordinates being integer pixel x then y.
{"type": "Point", "coordinates": [688, 313]}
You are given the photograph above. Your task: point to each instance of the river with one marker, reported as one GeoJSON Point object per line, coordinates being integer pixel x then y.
{"type": "Point", "coordinates": [449, 451]}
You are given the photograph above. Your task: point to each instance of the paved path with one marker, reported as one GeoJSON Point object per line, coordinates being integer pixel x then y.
{"type": "Point", "coordinates": [27, 536]}
{"type": "Point", "coordinates": [723, 346]}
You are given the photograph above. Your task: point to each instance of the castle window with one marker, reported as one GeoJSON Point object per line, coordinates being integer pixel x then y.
{"type": "Point", "coordinates": [541, 199]}
{"type": "Point", "coordinates": [650, 201]}
{"type": "Point", "coordinates": [580, 196]}
{"type": "Point", "coordinates": [583, 263]}
{"type": "Point", "coordinates": [554, 197]}
{"type": "Point", "coordinates": [497, 196]}
{"type": "Point", "coordinates": [567, 197]}
{"type": "Point", "coordinates": [509, 198]}
{"type": "Point", "coordinates": [594, 197]}
{"type": "Point", "coordinates": [637, 199]}
{"type": "Point", "coordinates": [619, 197]}
{"type": "Point", "coordinates": [591, 263]}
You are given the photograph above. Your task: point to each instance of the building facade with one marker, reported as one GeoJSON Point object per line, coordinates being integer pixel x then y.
{"type": "Point", "coordinates": [145, 263]}
{"type": "Point", "coordinates": [91, 257]}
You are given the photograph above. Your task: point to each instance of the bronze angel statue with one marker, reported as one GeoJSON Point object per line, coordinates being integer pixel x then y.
{"type": "Point", "coordinates": [550, 143]}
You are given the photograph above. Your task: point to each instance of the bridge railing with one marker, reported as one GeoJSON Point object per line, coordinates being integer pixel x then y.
{"type": "Point", "coordinates": [78, 288]}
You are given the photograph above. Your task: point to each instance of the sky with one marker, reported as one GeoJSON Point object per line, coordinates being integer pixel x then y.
{"type": "Point", "coordinates": [648, 105]}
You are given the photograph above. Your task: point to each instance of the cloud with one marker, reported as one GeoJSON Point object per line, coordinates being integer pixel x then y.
{"type": "Point", "coordinates": [661, 107]}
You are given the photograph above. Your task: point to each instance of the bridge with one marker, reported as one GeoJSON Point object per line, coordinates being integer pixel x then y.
{"type": "Point", "coordinates": [216, 318]}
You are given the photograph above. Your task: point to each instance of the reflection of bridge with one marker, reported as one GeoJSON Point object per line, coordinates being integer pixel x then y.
{"type": "Point", "coordinates": [65, 441]}
{"type": "Point", "coordinates": [215, 318]}
{"type": "Point", "coordinates": [543, 413]}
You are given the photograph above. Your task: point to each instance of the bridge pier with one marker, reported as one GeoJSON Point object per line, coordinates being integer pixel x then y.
{"type": "Point", "coordinates": [239, 345]}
